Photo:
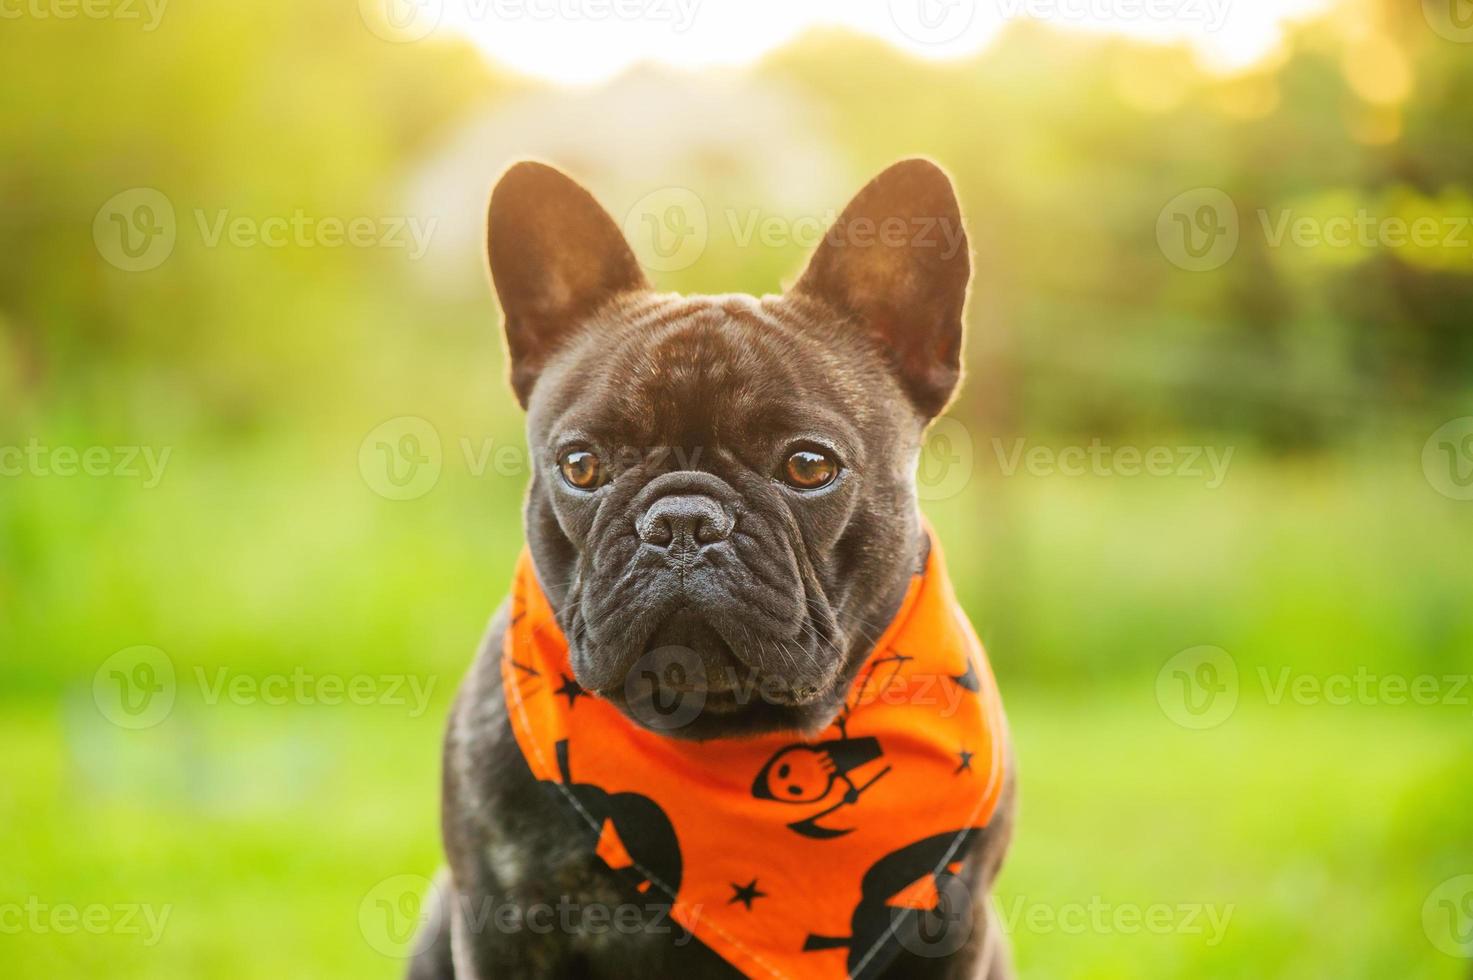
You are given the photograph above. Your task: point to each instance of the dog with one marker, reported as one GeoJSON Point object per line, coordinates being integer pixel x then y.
{"type": "Point", "coordinates": [727, 481]}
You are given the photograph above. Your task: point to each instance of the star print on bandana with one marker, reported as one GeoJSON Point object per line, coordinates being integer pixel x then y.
{"type": "Point", "coordinates": [571, 690]}
{"type": "Point", "coordinates": [746, 894]}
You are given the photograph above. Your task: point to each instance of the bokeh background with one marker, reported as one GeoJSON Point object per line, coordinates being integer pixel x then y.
{"type": "Point", "coordinates": [261, 472]}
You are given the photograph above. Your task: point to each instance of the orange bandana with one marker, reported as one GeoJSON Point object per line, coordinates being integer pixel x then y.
{"type": "Point", "coordinates": [789, 857]}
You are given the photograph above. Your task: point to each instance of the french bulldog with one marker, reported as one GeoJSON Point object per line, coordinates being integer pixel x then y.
{"type": "Point", "coordinates": [728, 475]}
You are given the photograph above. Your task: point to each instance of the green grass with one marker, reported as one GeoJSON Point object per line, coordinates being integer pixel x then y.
{"type": "Point", "coordinates": [1319, 830]}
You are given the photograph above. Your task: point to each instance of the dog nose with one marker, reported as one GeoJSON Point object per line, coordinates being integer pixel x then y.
{"type": "Point", "coordinates": [684, 523]}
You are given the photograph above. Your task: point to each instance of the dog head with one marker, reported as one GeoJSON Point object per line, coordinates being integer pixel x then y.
{"type": "Point", "coordinates": [727, 482]}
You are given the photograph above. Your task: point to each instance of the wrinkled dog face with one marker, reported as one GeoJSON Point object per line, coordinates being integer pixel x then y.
{"type": "Point", "coordinates": [723, 501]}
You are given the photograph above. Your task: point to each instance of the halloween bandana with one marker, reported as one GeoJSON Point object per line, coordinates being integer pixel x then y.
{"type": "Point", "coordinates": [788, 856]}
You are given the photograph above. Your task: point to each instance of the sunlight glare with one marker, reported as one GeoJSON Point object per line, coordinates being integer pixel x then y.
{"type": "Point", "coordinates": [588, 41]}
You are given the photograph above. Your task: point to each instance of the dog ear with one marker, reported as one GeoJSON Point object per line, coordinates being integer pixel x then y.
{"type": "Point", "coordinates": [897, 261]}
{"type": "Point", "coordinates": [555, 257]}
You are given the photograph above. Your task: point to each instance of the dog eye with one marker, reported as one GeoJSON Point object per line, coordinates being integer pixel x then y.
{"type": "Point", "coordinates": [581, 469]}
{"type": "Point", "coordinates": [808, 469]}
